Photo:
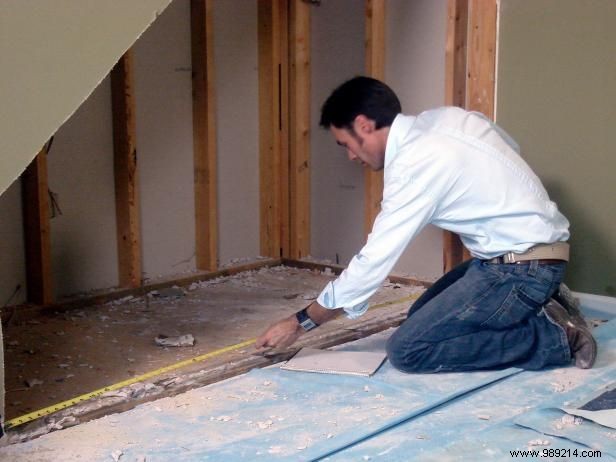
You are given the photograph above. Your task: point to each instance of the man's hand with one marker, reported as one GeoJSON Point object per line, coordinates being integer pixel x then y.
{"type": "Point", "coordinates": [281, 334]}
{"type": "Point", "coordinates": [285, 332]}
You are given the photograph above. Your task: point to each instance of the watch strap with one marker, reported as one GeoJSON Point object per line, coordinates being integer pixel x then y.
{"type": "Point", "coordinates": [305, 321]}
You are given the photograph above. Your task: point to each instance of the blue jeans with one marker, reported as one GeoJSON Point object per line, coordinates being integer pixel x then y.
{"type": "Point", "coordinates": [483, 316]}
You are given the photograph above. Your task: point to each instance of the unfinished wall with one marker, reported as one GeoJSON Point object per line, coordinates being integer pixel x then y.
{"type": "Point", "coordinates": [415, 69]}
{"type": "Point", "coordinates": [52, 55]}
{"type": "Point", "coordinates": [163, 92]}
{"type": "Point", "coordinates": [556, 74]}
{"type": "Point", "coordinates": [12, 246]}
{"type": "Point", "coordinates": [80, 172]}
{"type": "Point", "coordinates": [337, 185]}
{"type": "Point", "coordinates": [237, 125]}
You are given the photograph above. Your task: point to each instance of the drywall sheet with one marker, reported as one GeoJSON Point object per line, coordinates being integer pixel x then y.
{"type": "Point", "coordinates": [81, 178]}
{"type": "Point", "coordinates": [52, 55]}
{"type": "Point", "coordinates": [337, 185]}
{"type": "Point", "coordinates": [163, 100]}
{"type": "Point", "coordinates": [416, 31]}
{"type": "Point", "coordinates": [555, 96]}
{"type": "Point", "coordinates": [237, 126]}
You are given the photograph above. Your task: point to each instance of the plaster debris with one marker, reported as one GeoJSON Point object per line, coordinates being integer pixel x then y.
{"type": "Point", "coordinates": [569, 419]}
{"type": "Point", "coordinates": [170, 292]}
{"type": "Point", "coordinates": [275, 449]}
{"type": "Point", "coordinates": [265, 424]}
{"type": "Point", "coordinates": [539, 442]}
{"type": "Point", "coordinates": [366, 388]}
{"type": "Point", "coordinates": [180, 341]}
{"type": "Point", "coordinates": [483, 417]}
{"type": "Point", "coordinates": [327, 272]}
{"type": "Point", "coordinates": [116, 455]}
{"type": "Point", "coordinates": [422, 437]}
{"type": "Point", "coordinates": [33, 382]}
{"type": "Point", "coordinates": [223, 418]}
{"type": "Point", "coordinates": [379, 396]}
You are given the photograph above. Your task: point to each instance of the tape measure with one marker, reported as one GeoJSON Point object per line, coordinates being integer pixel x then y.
{"type": "Point", "coordinates": [148, 375]}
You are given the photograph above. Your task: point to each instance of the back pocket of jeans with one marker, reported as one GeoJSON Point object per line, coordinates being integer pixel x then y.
{"type": "Point", "coordinates": [512, 311]}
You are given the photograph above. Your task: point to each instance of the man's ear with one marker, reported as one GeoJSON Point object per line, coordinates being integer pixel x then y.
{"type": "Point", "coordinates": [363, 124]}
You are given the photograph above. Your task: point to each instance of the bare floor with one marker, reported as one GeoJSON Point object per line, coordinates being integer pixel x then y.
{"type": "Point", "coordinates": [59, 356]}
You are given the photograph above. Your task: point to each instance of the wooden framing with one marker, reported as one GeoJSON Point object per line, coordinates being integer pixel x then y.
{"type": "Point", "coordinates": [125, 172]}
{"type": "Point", "coordinates": [470, 78]}
{"type": "Point", "coordinates": [375, 67]}
{"type": "Point", "coordinates": [455, 95]}
{"type": "Point", "coordinates": [37, 228]}
{"type": "Point", "coordinates": [481, 62]}
{"type": "Point", "coordinates": [273, 132]}
{"type": "Point", "coordinates": [204, 135]}
{"type": "Point", "coordinates": [299, 131]}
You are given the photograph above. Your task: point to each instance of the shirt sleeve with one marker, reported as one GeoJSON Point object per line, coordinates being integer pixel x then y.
{"type": "Point", "coordinates": [406, 208]}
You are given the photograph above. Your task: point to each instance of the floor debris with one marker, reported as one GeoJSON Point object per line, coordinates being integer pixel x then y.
{"type": "Point", "coordinates": [179, 341]}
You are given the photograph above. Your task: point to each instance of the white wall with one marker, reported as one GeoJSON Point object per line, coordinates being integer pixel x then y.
{"type": "Point", "coordinates": [12, 246]}
{"type": "Point", "coordinates": [237, 105]}
{"type": "Point", "coordinates": [163, 91]}
{"type": "Point", "coordinates": [337, 185]}
{"type": "Point", "coordinates": [80, 172]}
{"type": "Point", "coordinates": [415, 69]}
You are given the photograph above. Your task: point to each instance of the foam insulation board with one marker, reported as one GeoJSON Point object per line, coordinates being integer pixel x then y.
{"type": "Point", "coordinates": [52, 55]}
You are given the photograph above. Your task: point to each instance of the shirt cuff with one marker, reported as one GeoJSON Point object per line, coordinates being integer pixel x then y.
{"type": "Point", "coordinates": [328, 300]}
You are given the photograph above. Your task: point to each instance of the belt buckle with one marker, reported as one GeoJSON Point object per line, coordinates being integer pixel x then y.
{"type": "Point", "coordinates": [508, 258]}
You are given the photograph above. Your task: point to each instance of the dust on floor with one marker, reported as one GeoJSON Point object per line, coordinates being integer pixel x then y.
{"type": "Point", "coordinates": [58, 356]}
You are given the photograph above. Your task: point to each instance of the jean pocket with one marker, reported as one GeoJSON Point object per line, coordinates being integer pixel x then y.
{"type": "Point", "coordinates": [514, 309]}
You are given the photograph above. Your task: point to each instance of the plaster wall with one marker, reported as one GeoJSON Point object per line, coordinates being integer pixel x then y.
{"type": "Point", "coordinates": [556, 97]}
{"type": "Point", "coordinates": [80, 172]}
{"type": "Point", "coordinates": [415, 69]}
{"type": "Point", "coordinates": [163, 92]}
{"type": "Point", "coordinates": [237, 124]}
{"type": "Point", "coordinates": [337, 185]}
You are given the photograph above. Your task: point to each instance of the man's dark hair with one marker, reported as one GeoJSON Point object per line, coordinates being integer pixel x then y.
{"type": "Point", "coordinates": [360, 95]}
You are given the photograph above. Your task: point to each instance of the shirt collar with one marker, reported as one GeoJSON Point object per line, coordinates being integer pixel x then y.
{"type": "Point", "coordinates": [398, 131]}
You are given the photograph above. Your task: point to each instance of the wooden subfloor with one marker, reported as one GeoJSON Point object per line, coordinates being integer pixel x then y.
{"type": "Point", "coordinates": [82, 350]}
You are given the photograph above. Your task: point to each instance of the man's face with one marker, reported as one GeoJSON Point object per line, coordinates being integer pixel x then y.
{"type": "Point", "coordinates": [363, 144]}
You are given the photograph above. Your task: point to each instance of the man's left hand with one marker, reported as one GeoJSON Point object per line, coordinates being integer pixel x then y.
{"type": "Point", "coordinates": [281, 334]}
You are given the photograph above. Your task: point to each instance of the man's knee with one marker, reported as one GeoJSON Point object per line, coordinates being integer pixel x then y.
{"type": "Point", "coordinates": [407, 355]}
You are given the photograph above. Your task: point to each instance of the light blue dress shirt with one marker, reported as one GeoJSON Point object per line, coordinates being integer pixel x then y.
{"type": "Point", "coordinates": [460, 172]}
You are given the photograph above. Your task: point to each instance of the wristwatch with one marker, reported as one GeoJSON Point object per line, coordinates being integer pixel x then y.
{"type": "Point", "coordinates": [304, 320]}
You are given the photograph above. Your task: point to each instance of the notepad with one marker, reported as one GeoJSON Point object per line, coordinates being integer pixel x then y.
{"type": "Point", "coordinates": [363, 363]}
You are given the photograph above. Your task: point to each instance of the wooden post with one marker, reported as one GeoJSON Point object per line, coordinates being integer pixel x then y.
{"type": "Point", "coordinates": [37, 239]}
{"type": "Point", "coordinates": [299, 132]}
{"type": "Point", "coordinates": [375, 67]}
{"type": "Point", "coordinates": [481, 76]}
{"type": "Point", "coordinates": [204, 135]}
{"type": "Point", "coordinates": [273, 126]}
{"type": "Point", "coordinates": [125, 172]}
{"type": "Point", "coordinates": [455, 95]}
{"type": "Point", "coordinates": [470, 77]}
